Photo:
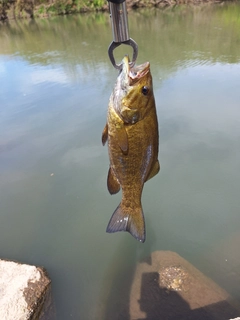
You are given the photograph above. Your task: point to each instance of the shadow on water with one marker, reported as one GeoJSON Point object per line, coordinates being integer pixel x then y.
{"type": "Point", "coordinates": [160, 303]}
{"type": "Point", "coordinates": [155, 302]}
{"type": "Point", "coordinates": [128, 295]}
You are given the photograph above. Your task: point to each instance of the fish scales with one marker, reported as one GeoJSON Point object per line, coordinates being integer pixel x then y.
{"type": "Point", "coordinates": [132, 134]}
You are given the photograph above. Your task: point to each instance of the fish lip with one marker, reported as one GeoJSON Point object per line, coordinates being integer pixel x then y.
{"type": "Point", "coordinates": [125, 66]}
{"type": "Point", "coordinates": [138, 72]}
{"type": "Point", "coordinates": [134, 73]}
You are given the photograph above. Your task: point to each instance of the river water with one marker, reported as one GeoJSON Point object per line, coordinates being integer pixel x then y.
{"type": "Point", "coordinates": [55, 82]}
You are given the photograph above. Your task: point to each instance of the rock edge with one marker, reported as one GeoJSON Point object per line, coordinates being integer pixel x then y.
{"type": "Point", "coordinates": [24, 290]}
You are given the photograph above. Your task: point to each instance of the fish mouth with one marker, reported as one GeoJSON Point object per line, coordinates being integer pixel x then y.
{"type": "Point", "coordinates": [135, 73]}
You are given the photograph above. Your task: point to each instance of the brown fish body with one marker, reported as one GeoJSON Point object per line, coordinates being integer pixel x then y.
{"type": "Point", "coordinates": [132, 133]}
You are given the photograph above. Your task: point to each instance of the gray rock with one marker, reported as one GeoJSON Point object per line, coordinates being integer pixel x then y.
{"type": "Point", "coordinates": [24, 291]}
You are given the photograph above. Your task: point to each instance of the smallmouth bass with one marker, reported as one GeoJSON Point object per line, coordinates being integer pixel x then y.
{"type": "Point", "coordinates": [132, 135]}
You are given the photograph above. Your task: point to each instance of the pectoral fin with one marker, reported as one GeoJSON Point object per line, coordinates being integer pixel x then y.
{"type": "Point", "coordinates": [105, 135]}
{"type": "Point", "coordinates": [155, 169]}
{"type": "Point", "coordinates": [112, 182]}
{"type": "Point", "coordinates": [122, 138]}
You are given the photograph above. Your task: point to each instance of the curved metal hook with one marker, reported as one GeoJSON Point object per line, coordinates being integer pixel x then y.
{"type": "Point", "coordinates": [114, 45]}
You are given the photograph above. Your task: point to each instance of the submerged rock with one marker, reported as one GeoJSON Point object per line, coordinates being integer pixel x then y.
{"type": "Point", "coordinates": [169, 287]}
{"type": "Point", "coordinates": [24, 291]}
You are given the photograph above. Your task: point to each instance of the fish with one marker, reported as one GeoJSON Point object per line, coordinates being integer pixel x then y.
{"type": "Point", "coordinates": [133, 144]}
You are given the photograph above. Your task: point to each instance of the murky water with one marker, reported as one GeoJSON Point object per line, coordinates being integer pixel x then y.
{"type": "Point", "coordinates": [55, 82]}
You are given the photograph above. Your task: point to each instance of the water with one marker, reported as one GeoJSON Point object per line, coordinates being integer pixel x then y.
{"type": "Point", "coordinates": [56, 80]}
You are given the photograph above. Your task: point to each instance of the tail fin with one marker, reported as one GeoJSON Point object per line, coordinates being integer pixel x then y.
{"type": "Point", "coordinates": [126, 219]}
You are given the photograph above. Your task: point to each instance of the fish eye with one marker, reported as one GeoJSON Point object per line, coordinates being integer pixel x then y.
{"type": "Point", "coordinates": [145, 90]}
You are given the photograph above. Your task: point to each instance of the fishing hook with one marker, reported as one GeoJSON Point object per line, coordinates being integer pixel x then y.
{"type": "Point", "coordinates": [118, 14]}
